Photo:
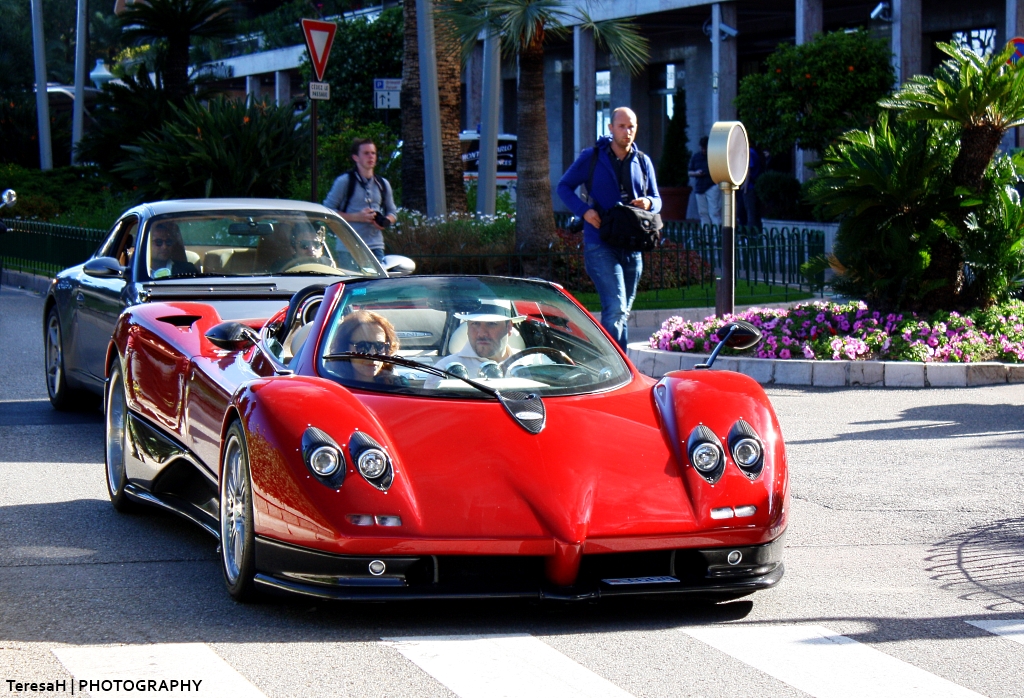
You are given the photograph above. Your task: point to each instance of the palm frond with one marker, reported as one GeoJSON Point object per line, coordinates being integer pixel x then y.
{"type": "Point", "coordinates": [621, 37]}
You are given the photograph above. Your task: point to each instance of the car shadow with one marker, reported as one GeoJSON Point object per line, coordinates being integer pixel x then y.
{"type": "Point", "coordinates": [945, 421]}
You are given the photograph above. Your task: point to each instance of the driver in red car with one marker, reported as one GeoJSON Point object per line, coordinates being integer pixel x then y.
{"type": "Point", "coordinates": [488, 331]}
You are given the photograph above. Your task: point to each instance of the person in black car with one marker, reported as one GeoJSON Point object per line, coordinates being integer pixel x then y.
{"type": "Point", "coordinates": [167, 252]}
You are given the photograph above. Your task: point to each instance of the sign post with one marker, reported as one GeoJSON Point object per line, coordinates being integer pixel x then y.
{"type": "Point", "coordinates": [728, 161]}
{"type": "Point", "coordinates": [319, 37]}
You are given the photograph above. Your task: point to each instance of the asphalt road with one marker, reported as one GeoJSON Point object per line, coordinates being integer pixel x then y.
{"type": "Point", "coordinates": [906, 542]}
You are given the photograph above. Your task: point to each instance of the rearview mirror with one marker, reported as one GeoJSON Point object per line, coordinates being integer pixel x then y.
{"type": "Point", "coordinates": [232, 336]}
{"type": "Point", "coordinates": [743, 336]}
{"type": "Point", "coordinates": [251, 228]}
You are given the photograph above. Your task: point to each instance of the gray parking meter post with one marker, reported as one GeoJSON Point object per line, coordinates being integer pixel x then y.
{"type": "Point", "coordinates": [728, 160]}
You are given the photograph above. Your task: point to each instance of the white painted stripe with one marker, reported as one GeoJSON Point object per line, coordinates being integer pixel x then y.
{"type": "Point", "coordinates": [1010, 629]}
{"type": "Point", "coordinates": [503, 666]}
{"type": "Point", "coordinates": [170, 662]}
{"type": "Point", "coordinates": [825, 664]}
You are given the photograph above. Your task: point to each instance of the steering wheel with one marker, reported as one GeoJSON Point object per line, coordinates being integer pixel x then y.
{"type": "Point", "coordinates": [559, 356]}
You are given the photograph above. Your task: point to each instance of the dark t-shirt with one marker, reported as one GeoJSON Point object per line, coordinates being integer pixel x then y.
{"type": "Point", "coordinates": [699, 161]}
{"type": "Point", "coordinates": [622, 173]}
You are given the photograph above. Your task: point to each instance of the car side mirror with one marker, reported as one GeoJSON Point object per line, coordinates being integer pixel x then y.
{"type": "Point", "coordinates": [232, 336]}
{"type": "Point", "coordinates": [739, 334]}
{"type": "Point", "coordinates": [398, 265]}
{"type": "Point", "coordinates": [104, 268]}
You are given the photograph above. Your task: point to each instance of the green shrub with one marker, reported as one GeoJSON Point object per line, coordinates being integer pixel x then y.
{"type": "Point", "coordinates": [781, 196]}
{"type": "Point", "coordinates": [230, 148]}
{"type": "Point", "coordinates": [334, 156]}
{"type": "Point", "coordinates": [79, 196]}
{"type": "Point", "coordinates": [19, 132]}
{"type": "Point", "coordinates": [504, 205]}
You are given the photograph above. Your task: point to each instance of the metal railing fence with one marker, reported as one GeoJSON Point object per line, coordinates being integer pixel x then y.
{"type": "Point", "coordinates": [46, 248]}
{"type": "Point", "coordinates": [767, 260]}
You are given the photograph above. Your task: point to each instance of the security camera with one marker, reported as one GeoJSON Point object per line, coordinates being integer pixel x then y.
{"type": "Point", "coordinates": [882, 12]}
{"type": "Point", "coordinates": [727, 31]}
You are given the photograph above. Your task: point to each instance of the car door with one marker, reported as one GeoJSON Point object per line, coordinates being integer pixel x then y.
{"type": "Point", "coordinates": [98, 302]}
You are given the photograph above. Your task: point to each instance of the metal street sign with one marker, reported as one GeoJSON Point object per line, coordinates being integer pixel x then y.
{"type": "Point", "coordinates": [390, 84]}
{"type": "Point", "coordinates": [386, 99]}
{"type": "Point", "coordinates": [1018, 45]}
{"type": "Point", "coordinates": [320, 90]}
{"type": "Point", "coordinates": [319, 37]}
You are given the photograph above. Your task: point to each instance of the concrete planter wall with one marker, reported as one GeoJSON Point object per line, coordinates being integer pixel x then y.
{"type": "Point", "coordinates": [830, 374]}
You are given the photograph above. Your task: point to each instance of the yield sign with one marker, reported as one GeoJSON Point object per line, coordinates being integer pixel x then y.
{"type": "Point", "coordinates": [319, 37]}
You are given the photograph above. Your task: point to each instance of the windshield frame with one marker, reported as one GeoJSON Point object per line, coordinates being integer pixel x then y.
{"type": "Point", "coordinates": [337, 229]}
{"type": "Point", "coordinates": [594, 341]}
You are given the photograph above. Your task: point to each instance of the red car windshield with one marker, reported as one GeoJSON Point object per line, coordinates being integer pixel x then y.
{"type": "Point", "coordinates": [508, 334]}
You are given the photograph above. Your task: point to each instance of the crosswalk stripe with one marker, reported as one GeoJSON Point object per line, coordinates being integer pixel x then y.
{"type": "Point", "coordinates": [162, 663]}
{"type": "Point", "coordinates": [503, 666]}
{"type": "Point", "coordinates": [1010, 629]}
{"type": "Point", "coordinates": [825, 664]}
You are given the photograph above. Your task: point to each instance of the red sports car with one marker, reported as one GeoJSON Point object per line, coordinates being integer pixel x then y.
{"type": "Point", "coordinates": [444, 436]}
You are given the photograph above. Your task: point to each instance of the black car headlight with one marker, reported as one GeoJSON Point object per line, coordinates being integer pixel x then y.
{"type": "Point", "coordinates": [747, 449]}
{"type": "Point", "coordinates": [706, 454]}
{"type": "Point", "coordinates": [372, 460]}
{"type": "Point", "coordinates": [323, 457]}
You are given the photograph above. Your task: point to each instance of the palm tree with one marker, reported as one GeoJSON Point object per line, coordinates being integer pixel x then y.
{"type": "Point", "coordinates": [414, 193]}
{"type": "Point", "coordinates": [523, 27]}
{"type": "Point", "coordinates": [174, 23]}
{"type": "Point", "coordinates": [985, 96]}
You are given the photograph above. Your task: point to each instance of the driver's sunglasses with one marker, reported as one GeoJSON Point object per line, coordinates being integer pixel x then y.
{"type": "Point", "coordinates": [371, 347]}
{"type": "Point", "coordinates": [158, 242]}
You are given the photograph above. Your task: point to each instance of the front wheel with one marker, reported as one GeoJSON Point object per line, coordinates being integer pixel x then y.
{"type": "Point", "coordinates": [115, 434]}
{"type": "Point", "coordinates": [237, 531]}
{"type": "Point", "coordinates": [61, 396]}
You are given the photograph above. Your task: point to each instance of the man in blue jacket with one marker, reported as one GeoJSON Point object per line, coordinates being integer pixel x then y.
{"type": "Point", "coordinates": [623, 174]}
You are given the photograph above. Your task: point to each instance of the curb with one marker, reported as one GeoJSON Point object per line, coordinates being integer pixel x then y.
{"type": "Point", "coordinates": [833, 374]}
{"type": "Point", "coordinates": [21, 279]}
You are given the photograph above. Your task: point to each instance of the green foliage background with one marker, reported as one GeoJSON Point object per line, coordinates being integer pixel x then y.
{"type": "Point", "coordinates": [810, 94]}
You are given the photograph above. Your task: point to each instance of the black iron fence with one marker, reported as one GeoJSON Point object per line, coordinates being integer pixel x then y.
{"type": "Point", "coordinates": [46, 248]}
{"type": "Point", "coordinates": [768, 261]}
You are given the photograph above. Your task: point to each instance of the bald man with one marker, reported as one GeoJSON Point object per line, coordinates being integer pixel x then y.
{"type": "Point", "coordinates": [621, 174]}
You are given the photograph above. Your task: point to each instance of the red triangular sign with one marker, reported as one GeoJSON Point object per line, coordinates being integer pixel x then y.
{"type": "Point", "coordinates": [319, 37]}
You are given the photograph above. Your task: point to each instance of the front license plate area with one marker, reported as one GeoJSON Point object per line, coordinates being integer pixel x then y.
{"type": "Point", "coordinates": [640, 580]}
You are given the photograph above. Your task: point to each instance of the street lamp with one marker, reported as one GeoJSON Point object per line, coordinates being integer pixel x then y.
{"type": "Point", "coordinates": [728, 161]}
{"type": "Point", "coordinates": [100, 76]}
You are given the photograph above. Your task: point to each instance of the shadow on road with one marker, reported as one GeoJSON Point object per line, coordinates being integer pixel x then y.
{"type": "Point", "coordinates": [984, 564]}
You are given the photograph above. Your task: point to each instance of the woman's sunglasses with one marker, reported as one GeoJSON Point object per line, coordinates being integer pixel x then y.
{"type": "Point", "coordinates": [371, 347]}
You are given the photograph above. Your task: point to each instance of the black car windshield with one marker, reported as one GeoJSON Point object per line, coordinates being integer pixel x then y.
{"type": "Point", "coordinates": [254, 243]}
{"type": "Point", "coordinates": [507, 334]}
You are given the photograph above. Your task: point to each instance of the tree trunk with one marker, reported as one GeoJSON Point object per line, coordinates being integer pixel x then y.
{"type": "Point", "coordinates": [535, 219]}
{"type": "Point", "coordinates": [175, 71]}
{"type": "Point", "coordinates": [414, 188]}
{"type": "Point", "coordinates": [449, 84]}
{"type": "Point", "coordinates": [978, 145]}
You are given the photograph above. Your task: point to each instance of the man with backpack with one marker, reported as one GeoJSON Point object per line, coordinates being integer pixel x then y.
{"type": "Point", "coordinates": [364, 199]}
{"type": "Point", "coordinates": [621, 186]}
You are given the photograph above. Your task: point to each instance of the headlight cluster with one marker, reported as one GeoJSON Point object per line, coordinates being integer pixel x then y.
{"type": "Point", "coordinates": [707, 456]}
{"type": "Point", "coordinates": [371, 460]}
{"type": "Point", "coordinates": [323, 457]}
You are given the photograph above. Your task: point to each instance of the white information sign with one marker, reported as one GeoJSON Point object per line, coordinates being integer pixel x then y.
{"type": "Point", "coordinates": [390, 84]}
{"type": "Point", "coordinates": [320, 91]}
{"type": "Point", "coordinates": [386, 99]}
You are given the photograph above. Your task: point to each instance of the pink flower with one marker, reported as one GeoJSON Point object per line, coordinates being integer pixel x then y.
{"type": "Point", "coordinates": [784, 354]}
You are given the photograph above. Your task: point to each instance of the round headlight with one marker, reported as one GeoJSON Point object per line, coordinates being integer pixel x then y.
{"type": "Point", "coordinates": [746, 452]}
{"type": "Point", "coordinates": [372, 463]}
{"type": "Point", "coordinates": [705, 457]}
{"type": "Point", "coordinates": [324, 461]}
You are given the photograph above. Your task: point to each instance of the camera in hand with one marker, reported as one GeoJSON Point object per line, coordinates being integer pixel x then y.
{"type": "Point", "coordinates": [575, 225]}
{"type": "Point", "coordinates": [381, 220]}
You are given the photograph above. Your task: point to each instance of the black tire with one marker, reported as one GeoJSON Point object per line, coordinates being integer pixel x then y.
{"type": "Point", "coordinates": [237, 530]}
{"type": "Point", "coordinates": [62, 397]}
{"type": "Point", "coordinates": [115, 434]}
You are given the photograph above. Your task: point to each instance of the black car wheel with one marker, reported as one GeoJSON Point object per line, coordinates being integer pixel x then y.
{"type": "Point", "coordinates": [61, 396]}
{"type": "Point", "coordinates": [115, 434]}
{"type": "Point", "coordinates": [237, 532]}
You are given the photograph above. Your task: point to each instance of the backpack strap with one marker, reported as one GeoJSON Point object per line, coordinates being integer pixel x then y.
{"type": "Point", "coordinates": [351, 190]}
{"type": "Point", "coordinates": [590, 181]}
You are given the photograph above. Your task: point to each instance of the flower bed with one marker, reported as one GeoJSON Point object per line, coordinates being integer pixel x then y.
{"type": "Point", "coordinates": [851, 331]}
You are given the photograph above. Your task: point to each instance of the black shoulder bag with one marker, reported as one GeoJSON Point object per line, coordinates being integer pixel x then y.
{"type": "Point", "coordinates": [627, 227]}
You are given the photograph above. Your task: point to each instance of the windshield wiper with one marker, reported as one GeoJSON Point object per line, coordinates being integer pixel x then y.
{"type": "Point", "coordinates": [526, 409]}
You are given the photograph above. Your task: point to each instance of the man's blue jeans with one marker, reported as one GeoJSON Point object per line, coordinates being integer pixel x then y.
{"type": "Point", "coordinates": [615, 273]}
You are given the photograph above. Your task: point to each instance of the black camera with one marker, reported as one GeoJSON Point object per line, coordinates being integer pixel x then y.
{"type": "Point", "coordinates": [575, 225]}
{"type": "Point", "coordinates": [381, 220]}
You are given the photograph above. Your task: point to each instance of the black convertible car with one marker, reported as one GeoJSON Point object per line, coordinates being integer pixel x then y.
{"type": "Point", "coordinates": [247, 257]}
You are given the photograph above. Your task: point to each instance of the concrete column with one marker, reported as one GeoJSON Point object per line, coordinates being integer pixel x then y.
{"type": "Point", "coordinates": [433, 162]}
{"type": "Point", "coordinates": [474, 87]}
{"type": "Point", "coordinates": [282, 88]}
{"type": "Point", "coordinates": [585, 89]}
{"type": "Point", "coordinates": [906, 38]}
{"type": "Point", "coordinates": [487, 170]}
{"type": "Point", "coordinates": [42, 97]}
{"type": "Point", "coordinates": [81, 41]}
{"type": "Point", "coordinates": [808, 23]}
{"type": "Point", "coordinates": [699, 96]}
{"type": "Point", "coordinates": [252, 88]}
{"type": "Point", "coordinates": [1014, 21]}
{"type": "Point", "coordinates": [728, 69]}
{"type": "Point", "coordinates": [716, 59]}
